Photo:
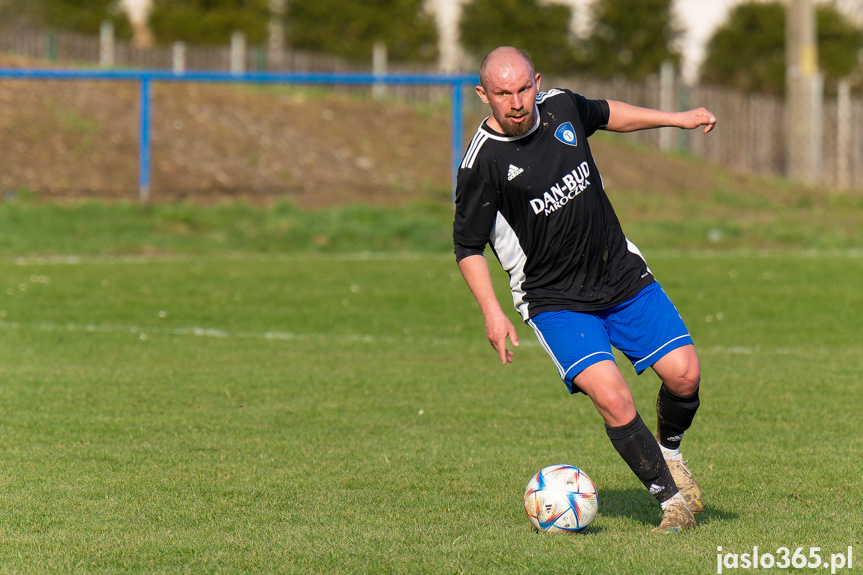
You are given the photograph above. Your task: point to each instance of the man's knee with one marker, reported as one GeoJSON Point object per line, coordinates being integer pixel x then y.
{"type": "Point", "coordinates": [680, 371]}
{"type": "Point", "coordinates": [686, 382]}
{"type": "Point", "coordinates": [616, 408]}
{"type": "Point", "coordinates": [605, 386]}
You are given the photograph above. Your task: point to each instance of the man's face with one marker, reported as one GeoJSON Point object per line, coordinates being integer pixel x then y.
{"type": "Point", "coordinates": [509, 88]}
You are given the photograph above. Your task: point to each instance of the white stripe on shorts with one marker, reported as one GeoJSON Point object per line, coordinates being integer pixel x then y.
{"type": "Point", "coordinates": [547, 349]}
{"type": "Point", "coordinates": [663, 346]}
{"type": "Point", "coordinates": [584, 358]}
{"type": "Point", "coordinates": [563, 372]}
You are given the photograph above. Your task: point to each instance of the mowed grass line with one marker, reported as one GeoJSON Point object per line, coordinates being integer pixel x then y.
{"type": "Point", "coordinates": [344, 414]}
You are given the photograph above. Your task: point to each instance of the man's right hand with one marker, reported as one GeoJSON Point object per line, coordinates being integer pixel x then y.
{"type": "Point", "coordinates": [497, 329]}
{"type": "Point", "coordinates": [497, 326]}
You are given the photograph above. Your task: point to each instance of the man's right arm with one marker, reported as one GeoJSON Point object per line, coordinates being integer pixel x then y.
{"type": "Point", "coordinates": [474, 269]}
{"type": "Point", "coordinates": [476, 209]}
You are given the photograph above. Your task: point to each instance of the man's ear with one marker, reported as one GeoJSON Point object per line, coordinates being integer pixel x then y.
{"type": "Point", "coordinates": [480, 91]}
{"type": "Point", "coordinates": [538, 78]}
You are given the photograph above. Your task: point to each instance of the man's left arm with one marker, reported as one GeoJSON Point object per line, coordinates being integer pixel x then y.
{"type": "Point", "coordinates": [623, 117]}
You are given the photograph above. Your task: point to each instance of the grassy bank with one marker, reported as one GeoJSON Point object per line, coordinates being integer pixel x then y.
{"type": "Point", "coordinates": [721, 218]}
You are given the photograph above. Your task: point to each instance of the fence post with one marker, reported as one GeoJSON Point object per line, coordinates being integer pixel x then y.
{"type": "Point", "coordinates": [51, 46]}
{"type": "Point", "coordinates": [666, 102]}
{"type": "Point", "coordinates": [683, 100]}
{"type": "Point", "coordinates": [144, 143]}
{"type": "Point", "coordinates": [106, 44]}
{"type": "Point", "coordinates": [379, 68]}
{"type": "Point", "coordinates": [843, 134]}
{"type": "Point", "coordinates": [276, 35]}
{"type": "Point", "coordinates": [803, 93]}
{"type": "Point", "coordinates": [457, 129]}
{"type": "Point", "coordinates": [238, 52]}
{"type": "Point", "coordinates": [178, 57]}
{"type": "Point", "coordinates": [259, 56]}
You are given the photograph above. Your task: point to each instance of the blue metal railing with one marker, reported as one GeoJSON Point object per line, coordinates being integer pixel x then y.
{"type": "Point", "coordinates": [456, 82]}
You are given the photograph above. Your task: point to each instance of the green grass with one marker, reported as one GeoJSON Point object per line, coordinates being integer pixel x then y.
{"type": "Point", "coordinates": [31, 227]}
{"type": "Point", "coordinates": [238, 408]}
{"type": "Point", "coordinates": [774, 219]}
{"type": "Point", "coordinates": [231, 388]}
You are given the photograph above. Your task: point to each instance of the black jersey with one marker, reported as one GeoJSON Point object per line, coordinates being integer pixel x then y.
{"type": "Point", "coordinates": [538, 201]}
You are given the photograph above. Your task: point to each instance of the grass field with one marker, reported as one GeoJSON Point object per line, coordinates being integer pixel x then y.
{"type": "Point", "coordinates": [238, 411]}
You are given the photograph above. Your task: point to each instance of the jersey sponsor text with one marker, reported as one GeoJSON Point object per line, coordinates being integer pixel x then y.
{"type": "Point", "coordinates": [559, 194]}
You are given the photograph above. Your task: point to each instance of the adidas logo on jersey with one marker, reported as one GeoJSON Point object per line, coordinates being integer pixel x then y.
{"type": "Point", "coordinates": [513, 172]}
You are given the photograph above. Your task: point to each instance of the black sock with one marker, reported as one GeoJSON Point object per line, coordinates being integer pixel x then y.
{"type": "Point", "coordinates": [639, 450]}
{"type": "Point", "coordinates": [674, 414]}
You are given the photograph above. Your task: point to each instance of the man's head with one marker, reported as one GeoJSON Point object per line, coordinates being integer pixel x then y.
{"type": "Point", "coordinates": [508, 84]}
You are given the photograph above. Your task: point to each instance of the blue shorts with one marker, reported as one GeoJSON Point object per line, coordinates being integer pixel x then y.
{"type": "Point", "coordinates": [644, 328]}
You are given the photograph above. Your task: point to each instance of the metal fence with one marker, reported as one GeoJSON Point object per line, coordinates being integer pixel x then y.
{"type": "Point", "coordinates": [67, 48]}
{"type": "Point", "coordinates": [454, 83]}
{"type": "Point", "coordinates": [751, 136]}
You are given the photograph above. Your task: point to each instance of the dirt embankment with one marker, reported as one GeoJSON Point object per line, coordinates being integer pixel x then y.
{"type": "Point", "coordinates": [73, 139]}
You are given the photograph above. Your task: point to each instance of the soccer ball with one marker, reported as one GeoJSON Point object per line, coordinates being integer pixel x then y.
{"type": "Point", "coordinates": [560, 498]}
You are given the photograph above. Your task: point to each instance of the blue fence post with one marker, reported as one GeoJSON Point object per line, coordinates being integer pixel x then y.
{"type": "Point", "coordinates": [457, 128]}
{"type": "Point", "coordinates": [144, 143]}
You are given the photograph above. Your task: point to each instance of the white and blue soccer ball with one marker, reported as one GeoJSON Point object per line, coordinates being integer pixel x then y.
{"type": "Point", "coordinates": [560, 498]}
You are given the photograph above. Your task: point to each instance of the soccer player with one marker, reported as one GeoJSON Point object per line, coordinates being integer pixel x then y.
{"type": "Point", "coordinates": [528, 186]}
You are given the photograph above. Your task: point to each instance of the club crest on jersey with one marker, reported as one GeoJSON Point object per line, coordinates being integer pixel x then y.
{"type": "Point", "coordinates": [566, 134]}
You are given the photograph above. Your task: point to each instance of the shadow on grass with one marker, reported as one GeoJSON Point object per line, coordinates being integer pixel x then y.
{"type": "Point", "coordinates": [639, 505]}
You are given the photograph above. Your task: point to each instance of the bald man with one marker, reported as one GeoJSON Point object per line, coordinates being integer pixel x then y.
{"type": "Point", "coordinates": [528, 187]}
